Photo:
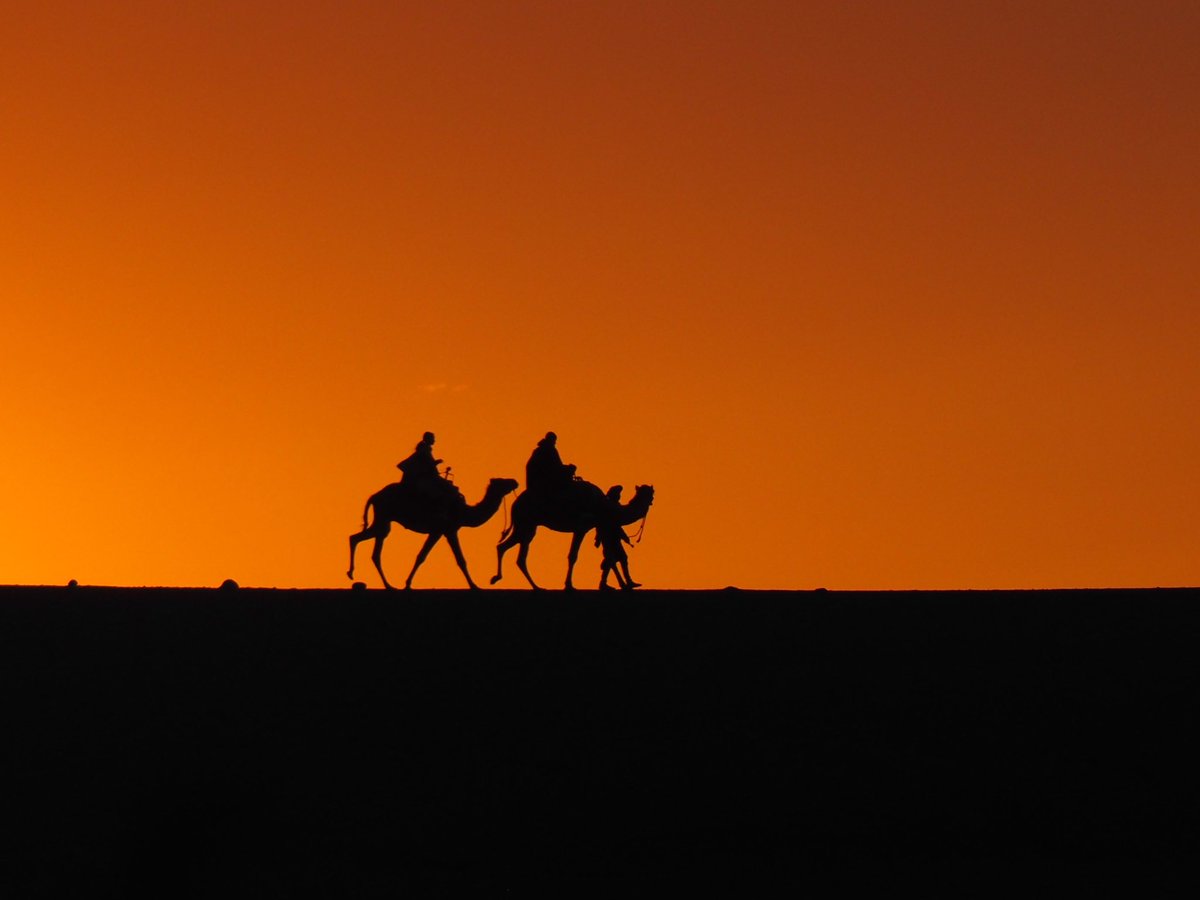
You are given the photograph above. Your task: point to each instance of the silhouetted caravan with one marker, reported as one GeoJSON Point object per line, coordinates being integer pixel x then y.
{"type": "Point", "coordinates": [438, 514]}
{"type": "Point", "coordinates": [577, 508]}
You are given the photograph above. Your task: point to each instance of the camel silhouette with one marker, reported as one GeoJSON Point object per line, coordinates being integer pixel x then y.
{"type": "Point", "coordinates": [576, 511]}
{"type": "Point", "coordinates": [438, 515]}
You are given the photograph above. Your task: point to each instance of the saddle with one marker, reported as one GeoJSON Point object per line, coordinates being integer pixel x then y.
{"type": "Point", "coordinates": [439, 489]}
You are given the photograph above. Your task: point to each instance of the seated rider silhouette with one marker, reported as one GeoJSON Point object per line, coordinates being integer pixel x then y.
{"type": "Point", "coordinates": [545, 473]}
{"type": "Point", "coordinates": [421, 470]}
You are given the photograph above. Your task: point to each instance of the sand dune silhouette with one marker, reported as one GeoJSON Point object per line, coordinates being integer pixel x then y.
{"type": "Point", "coordinates": [230, 741]}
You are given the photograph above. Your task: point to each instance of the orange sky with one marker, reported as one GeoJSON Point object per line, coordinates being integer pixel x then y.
{"type": "Point", "coordinates": [876, 295]}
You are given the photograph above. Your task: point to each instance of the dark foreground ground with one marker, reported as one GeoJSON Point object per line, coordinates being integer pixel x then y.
{"type": "Point", "coordinates": [255, 743]}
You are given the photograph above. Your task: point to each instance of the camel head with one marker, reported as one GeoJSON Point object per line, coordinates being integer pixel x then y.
{"type": "Point", "coordinates": [644, 493]}
{"type": "Point", "coordinates": [642, 497]}
{"type": "Point", "coordinates": [503, 486]}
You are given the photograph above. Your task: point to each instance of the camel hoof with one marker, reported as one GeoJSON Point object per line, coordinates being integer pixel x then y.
{"type": "Point", "coordinates": [495, 578]}
{"type": "Point", "coordinates": [350, 574]}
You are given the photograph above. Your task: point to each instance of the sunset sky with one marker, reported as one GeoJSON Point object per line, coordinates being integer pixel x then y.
{"type": "Point", "coordinates": [876, 295]}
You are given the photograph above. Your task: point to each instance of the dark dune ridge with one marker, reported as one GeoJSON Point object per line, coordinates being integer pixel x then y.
{"type": "Point", "coordinates": [236, 742]}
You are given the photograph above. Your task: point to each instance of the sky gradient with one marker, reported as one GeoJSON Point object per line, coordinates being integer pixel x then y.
{"type": "Point", "coordinates": [876, 295]}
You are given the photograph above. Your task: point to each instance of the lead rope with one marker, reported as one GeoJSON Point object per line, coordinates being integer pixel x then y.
{"type": "Point", "coordinates": [642, 528]}
{"type": "Point", "coordinates": [504, 503]}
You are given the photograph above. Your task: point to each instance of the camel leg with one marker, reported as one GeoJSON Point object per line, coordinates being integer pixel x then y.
{"type": "Point", "coordinates": [380, 535]}
{"type": "Point", "coordinates": [452, 540]}
{"type": "Point", "coordinates": [572, 555]}
{"type": "Point", "coordinates": [355, 540]}
{"type": "Point", "coordinates": [421, 554]}
{"type": "Point", "coordinates": [374, 530]}
{"type": "Point", "coordinates": [521, 538]}
{"type": "Point", "coordinates": [503, 547]}
{"type": "Point", "coordinates": [522, 556]}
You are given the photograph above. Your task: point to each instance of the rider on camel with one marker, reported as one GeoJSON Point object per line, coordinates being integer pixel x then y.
{"type": "Point", "coordinates": [421, 470]}
{"type": "Point", "coordinates": [546, 473]}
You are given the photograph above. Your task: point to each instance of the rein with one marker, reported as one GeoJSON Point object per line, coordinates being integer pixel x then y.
{"type": "Point", "coordinates": [642, 529]}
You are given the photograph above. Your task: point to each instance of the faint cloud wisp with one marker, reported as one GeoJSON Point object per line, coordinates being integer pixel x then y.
{"type": "Point", "coordinates": [442, 387]}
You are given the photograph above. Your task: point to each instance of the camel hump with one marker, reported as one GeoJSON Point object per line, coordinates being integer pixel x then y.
{"type": "Point", "coordinates": [572, 494]}
{"type": "Point", "coordinates": [585, 490]}
{"type": "Point", "coordinates": [389, 492]}
{"type": "Point", "coordinates": [405, 493]}
{"type": "Point", "coordinates": [445, 493]}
